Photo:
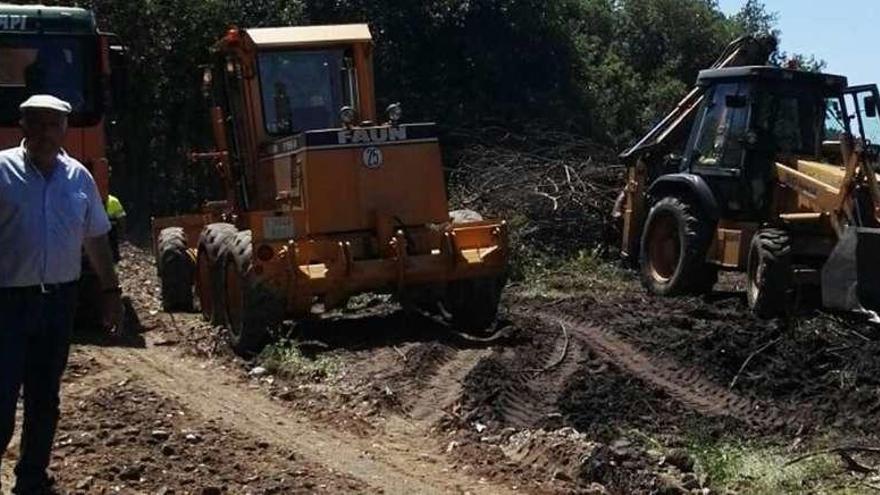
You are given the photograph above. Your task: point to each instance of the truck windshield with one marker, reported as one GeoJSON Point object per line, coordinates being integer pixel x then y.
{"type": "Point", "coordinates": [301, 90]}
{"type": "Point", "coordinates": [63, 66]}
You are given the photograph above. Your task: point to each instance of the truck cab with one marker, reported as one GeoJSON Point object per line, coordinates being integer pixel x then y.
{"type": "Point", "coordinates": [58, 51]}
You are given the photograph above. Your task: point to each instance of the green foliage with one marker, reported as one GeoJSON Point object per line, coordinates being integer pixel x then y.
{"type": "Point", "coordinates": [285, 359]}
{"type": "Point", "coordinates": [749, 467]}
{"type": "Point", "coordinates": [753, 18]}
{"type": "Point", "coordinates": [585, 273]}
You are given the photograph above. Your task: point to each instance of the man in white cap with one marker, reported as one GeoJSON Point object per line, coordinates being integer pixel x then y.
{"type": "Point", "coordinates": [50, 210]}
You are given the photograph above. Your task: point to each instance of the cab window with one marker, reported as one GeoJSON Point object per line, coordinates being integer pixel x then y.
{"type": "Point", "coordinates": [725, 122]}
{"type": "Point", "coordinates": [791, 120]}
{"type": "Point", "coordinates": [62, 66]}
{"type": "Point", "coordinates": [302, 90]}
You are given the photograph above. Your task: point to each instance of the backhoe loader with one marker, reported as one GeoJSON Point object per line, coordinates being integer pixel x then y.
{"type": "Point", "coordinates": [324, 197]}
{"type": "Point", "coordinates": [764, 170]}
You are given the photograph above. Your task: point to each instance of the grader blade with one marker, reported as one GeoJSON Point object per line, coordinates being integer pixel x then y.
{"type": "Point", "coordinates": [851, 276]}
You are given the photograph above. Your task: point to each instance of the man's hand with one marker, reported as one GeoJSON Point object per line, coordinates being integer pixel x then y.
{"type": "Point", "coordinates": [112, 312]}
{"type": "Point", "coordinates": [101, 257]}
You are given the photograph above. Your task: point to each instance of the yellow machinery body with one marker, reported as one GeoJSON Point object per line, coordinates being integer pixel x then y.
{"type": "Point", "coordinates": [357, 206]}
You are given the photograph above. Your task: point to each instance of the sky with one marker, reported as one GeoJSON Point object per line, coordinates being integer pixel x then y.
{"type": "Point", "coordinates": [843, 33]}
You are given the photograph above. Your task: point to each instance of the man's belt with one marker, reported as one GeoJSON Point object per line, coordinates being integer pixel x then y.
{"type": "Point", "coordinates": [38, 289]}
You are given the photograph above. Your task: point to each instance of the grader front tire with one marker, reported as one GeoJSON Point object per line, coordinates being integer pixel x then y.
{"type": "Point", "coordinates": [209, 286]}
{"type": "Point", "coordinates": [176, 269]}
{"type": "Point", "coordinates": [253, 309]}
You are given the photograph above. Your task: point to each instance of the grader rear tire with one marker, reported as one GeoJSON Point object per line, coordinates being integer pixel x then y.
{"type": "Point", "coordinates": [176, 270]}
{"type": "Point", "coordinates": [253, 309]}
{"type": "Point", "coordinates": [473, 303]}
{"type": "Point", "coordinates": [209, 284]}
{"type": "Point", "coordinates": [673, 250]}
{"type": "Point", "coordinates": [770, 274]}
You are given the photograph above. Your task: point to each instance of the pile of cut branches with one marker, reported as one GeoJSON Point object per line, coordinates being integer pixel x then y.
{"type": "Point", "coordinates": [556, 189]}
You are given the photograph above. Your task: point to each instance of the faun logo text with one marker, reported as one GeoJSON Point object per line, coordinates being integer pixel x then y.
{"type": "Point", "coordinates": [374, 135]}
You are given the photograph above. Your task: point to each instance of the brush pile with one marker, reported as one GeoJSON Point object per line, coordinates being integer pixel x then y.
{"type": "Point", "coordinates": [556, 189]}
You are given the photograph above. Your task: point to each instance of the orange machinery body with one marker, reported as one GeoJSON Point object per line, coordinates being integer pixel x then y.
{"type": "Point", "coordinates": [335, 212]}
{"type": "Point", "coordinates": [29, 26]}
{"type": "Point", "coordinates": [86, 144]}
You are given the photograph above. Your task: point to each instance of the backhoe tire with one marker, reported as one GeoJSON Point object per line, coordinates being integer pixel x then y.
{"type": "Point", "coordinates": [253, 309]}
{"type": "Point", "coordinates": [472, 304]}
{"type": "Point", "coordinates": [770, 275]}
{"type": "Point", "coordinates": [176, 270]}
{"type": "Point", "coordinates": [672, 257]}
{"type": "Point", "coordinates": [209, 279]}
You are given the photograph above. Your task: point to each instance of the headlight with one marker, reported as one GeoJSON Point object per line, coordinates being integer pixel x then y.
{"type": "Point", "coordinates": [395, 112]}
{"type": "Point", "coordinates": [346, 115]}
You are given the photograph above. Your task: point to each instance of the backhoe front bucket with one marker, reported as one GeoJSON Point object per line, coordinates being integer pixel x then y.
{"type": "Point", "coordinates": [851, 276]}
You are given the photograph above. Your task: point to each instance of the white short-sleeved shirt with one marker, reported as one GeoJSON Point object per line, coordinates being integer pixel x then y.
{"type": "Point", "coordinates": [44, 220]}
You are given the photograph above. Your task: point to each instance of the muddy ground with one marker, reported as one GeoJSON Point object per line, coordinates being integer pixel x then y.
{"type": "Point", "coordinates": [588, 386]}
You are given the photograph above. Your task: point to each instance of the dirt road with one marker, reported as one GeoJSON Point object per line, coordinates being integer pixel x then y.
{"type": "Point", "coordinates": [394, 462]}
{"type": "Point", "coordinates": [398, 460]}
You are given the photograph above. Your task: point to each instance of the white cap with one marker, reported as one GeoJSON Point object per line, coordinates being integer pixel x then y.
{"type": "Point", "coordinates": [47, 102]}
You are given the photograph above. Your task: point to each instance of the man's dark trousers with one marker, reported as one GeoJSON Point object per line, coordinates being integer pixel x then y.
{"type": "Point", "coordinates": [35, 328]}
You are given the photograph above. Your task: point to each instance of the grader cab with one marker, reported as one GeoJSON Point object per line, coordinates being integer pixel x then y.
{"type": "Point", "coordinates": [324, 197]}
{"type": "Point", "coordinates": [777, 178]}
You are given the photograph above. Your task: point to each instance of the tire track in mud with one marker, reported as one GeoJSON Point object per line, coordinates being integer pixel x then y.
{"type": "Point", "coordinates": [518, 385]}
{"type": "Point", "coordinates": [531, 398]}
{"type": "Point", "coordinates": [686, 385]}
{"type": "Point", "coordinates": [443, 389]}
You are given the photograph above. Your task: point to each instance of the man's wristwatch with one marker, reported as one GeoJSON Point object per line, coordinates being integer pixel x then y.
{"type": "Point", "coordinates": [112, 290]}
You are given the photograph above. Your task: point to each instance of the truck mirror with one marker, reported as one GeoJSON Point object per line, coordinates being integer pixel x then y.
{"type": "Point", "coordinates": [735, 101]}
{"type": "Point", "coordinates": [870, 106]}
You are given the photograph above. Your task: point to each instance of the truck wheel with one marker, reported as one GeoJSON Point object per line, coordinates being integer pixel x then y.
{"type": "Point", "coordinates": [473, 303]}
{"type": "Point", "coordinates": [673, 250]}
{"type": "Point", "coordinates": [252, 307]}
{"type": "Point", "coordinates": [770, 274]}
{"type": "Point", "coordinates": [176, 270]}
{"type": "Point", "coordinates": [209, 286]}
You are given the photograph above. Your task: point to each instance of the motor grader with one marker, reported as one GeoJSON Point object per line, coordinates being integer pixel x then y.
{"type": "Point", "coordinates": [324, 198]}
{"type": "Point", "coordinates": [764, 170]}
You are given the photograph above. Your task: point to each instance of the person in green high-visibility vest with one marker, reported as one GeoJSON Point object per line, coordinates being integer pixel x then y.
{"type": "Point", "coordinates": [116, 213]}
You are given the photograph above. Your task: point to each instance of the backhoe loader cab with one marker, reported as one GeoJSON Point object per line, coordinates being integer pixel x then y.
{"type": "Point", "coordinates": [777, 178]}
{"type": "Point", "coordinates": [324, 197]}
{"type": "Point", "coordinates": [750, 117]}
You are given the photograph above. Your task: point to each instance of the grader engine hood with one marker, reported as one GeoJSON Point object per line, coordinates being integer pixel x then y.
{"type": "Point", "coordinates": [349, 177]}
